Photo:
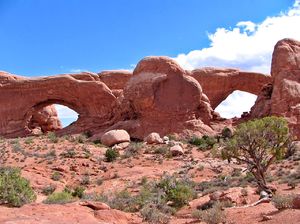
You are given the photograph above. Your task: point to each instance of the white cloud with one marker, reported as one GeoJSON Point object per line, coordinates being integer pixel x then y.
{"type": "Point", "coordinates": [76, 70]}
{"type": "Point", "coordinates": [239, 100]}
{"type": "Point", "coordinates": [247, 46]}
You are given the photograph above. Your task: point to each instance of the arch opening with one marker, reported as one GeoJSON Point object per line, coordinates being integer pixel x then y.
{"type": "Point", "coordinates": [236, 104]}
{"type": "Point", "coordinates": [66, 115]}
{"type": "Point", "coordinates": [51, 115]}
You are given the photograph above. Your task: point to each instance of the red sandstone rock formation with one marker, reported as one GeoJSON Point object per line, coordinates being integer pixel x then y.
{"type": "Point", "coordinates": [282, 98]}
{"type": "Point", "coordinates": [158, 97]}
{"type": "Point", "coordinates": [161, 97]}
{"type": "Point", "coordinates": [21, 97]}
{"type": "Point", "coordinates": [115, 79]}
{"type": "Point", "coordinates": [45, 120]}
{"type": "Point", "coordinates": [218, 83]}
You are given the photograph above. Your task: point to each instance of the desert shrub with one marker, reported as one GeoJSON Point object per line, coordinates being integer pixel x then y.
{"type": "Point", "coordinates": [226, 133]}
{"type": "Point", "coordinates": [123, 201]}
{"type": "Point", "coordinates": [152, 214]}
{"type": "Point", "coordinates": [258, 143]}
{"type": "Point", "coordinates": [78, 192]}
{"type": "Point", "coordinates": [28, 140]}
{"type": "Point", "coordinates": [111, 155]}
{"type": "Point", "coordinates": [14, 189]}
{"type": "Point", "coordinates": [85, 180]}
{"type": "Point", "coordinates": [47, 190]}
{"type": "Point", "coordinates": [214, 215]}
{"type": "Point", "coordinates": [163, 150]}
{"type": "Point", "coordinates": [82, 138]}
{"type": "Point", "coordinates": [132, 150]}
{"type": "Point", "coordinates": [283, 201]}
{"type": "Point", "coordinates": [56, 176]}
{"type": "Point", "coordinates": [52, 137]}
{"type": "Point", "coordinates": [59, 198]}
{"type": "Point", "coordinates": [70, 153]}
{"type": "Point", "coordinates": [204, 143]}
{"type": "Point", "coordinates": [179, 192]}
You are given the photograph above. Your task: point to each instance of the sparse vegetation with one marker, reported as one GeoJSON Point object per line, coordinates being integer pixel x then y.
{"type": "Point", "coordinates": [52, 137]}
{"type": "Point", "coordinates": [111, 155]}
{"type": "Point", "coordinates": [204, 143]}
{"type": "Point", "coordinates": [59, 198]}
{"type": "Point", "coordinates": [214, 215]}
{"type": "Point", "coordinates": [14, 189]}
{"type": "Point", "coordinates": [56, 176]}
{"type": "Point", "coordinates": [258, 143]}
{"type": "Point", "coordinates": [283, 201]}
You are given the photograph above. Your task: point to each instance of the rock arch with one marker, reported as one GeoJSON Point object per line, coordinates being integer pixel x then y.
{"type": "Point", "coordinates": [20, 97]}
{"type": "Point", "coordinates": [219, 83]}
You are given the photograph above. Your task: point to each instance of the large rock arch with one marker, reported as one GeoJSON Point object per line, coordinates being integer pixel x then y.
{"type": "Point", "coordinates": [21, 97]}
{"type": "Point", "coordinates": [218, 83]}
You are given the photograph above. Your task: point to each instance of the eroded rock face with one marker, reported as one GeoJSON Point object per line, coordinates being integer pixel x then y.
{"type": "Point", "coordinates": [218, 83]}
{"type": "Point", "coordinates": [21, 97]}
{"type": "Point", "coordinates": [282, 97]}
{"type": "Point", "coordinates": [161, 97]}
{"type": "Point", "coordinates": [115, 79]}
{"type": "Point", "coordinates": [46, 119]}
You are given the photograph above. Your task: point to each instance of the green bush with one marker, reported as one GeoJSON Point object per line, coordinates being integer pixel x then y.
{"type": "Point", "coordinates": [111, 155]}
{"type": "Point", "coordinates": [59, 198]}
{"type": "Point", "coordinates": [78, 192]}
{"type": "Point", "coordinates": [14, 189]}
{"type": "Point", "coordinates": [258, 144]}
{"type": "Point", "coordinates": [52, 137]}
{"type": "Point", "coordinates": [204, 143]}
{"type": "Point", "coordinates": [178, 192]}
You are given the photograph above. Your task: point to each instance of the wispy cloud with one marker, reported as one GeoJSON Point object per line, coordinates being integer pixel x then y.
{"type": "Point", "coordinates": [247, 46]}
{"type": "Point", "coordinates": [76, 70]}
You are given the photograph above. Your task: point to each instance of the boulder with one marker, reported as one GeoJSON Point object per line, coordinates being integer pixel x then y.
{"type": "Point", "coordinates": [46, 119]}
{"type": "Point", "coordinates": [113, 137]}
{"type": "Point", "coordinates": [153, 138]}
{"type": "Point", "coordinates": [176, 150]}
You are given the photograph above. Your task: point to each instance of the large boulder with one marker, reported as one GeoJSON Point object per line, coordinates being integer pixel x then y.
{"type": "Point", "coordinates": [46, 119]}
{"type": "Point", "coordinates": [113, 137]}
{"type": "Point", "coordinates": [154, 138]}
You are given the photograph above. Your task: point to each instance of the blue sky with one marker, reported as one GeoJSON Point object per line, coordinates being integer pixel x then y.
{"type": "Point", "coordinates": [47, 37]}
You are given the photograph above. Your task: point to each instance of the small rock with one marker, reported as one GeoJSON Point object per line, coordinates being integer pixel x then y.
{"type": "Point", "coordinates": [153, 138]}
{"type": "Point", "coordinates": [95, 205]}
{"type": "Point", "coordinates": [113, 137]}
{"type": "Point", "coordinates": [266, 217]}
{"type": "Point", "coordinates": [121, 146]}
{"type": "Point", "coordinates": [176, 150]}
